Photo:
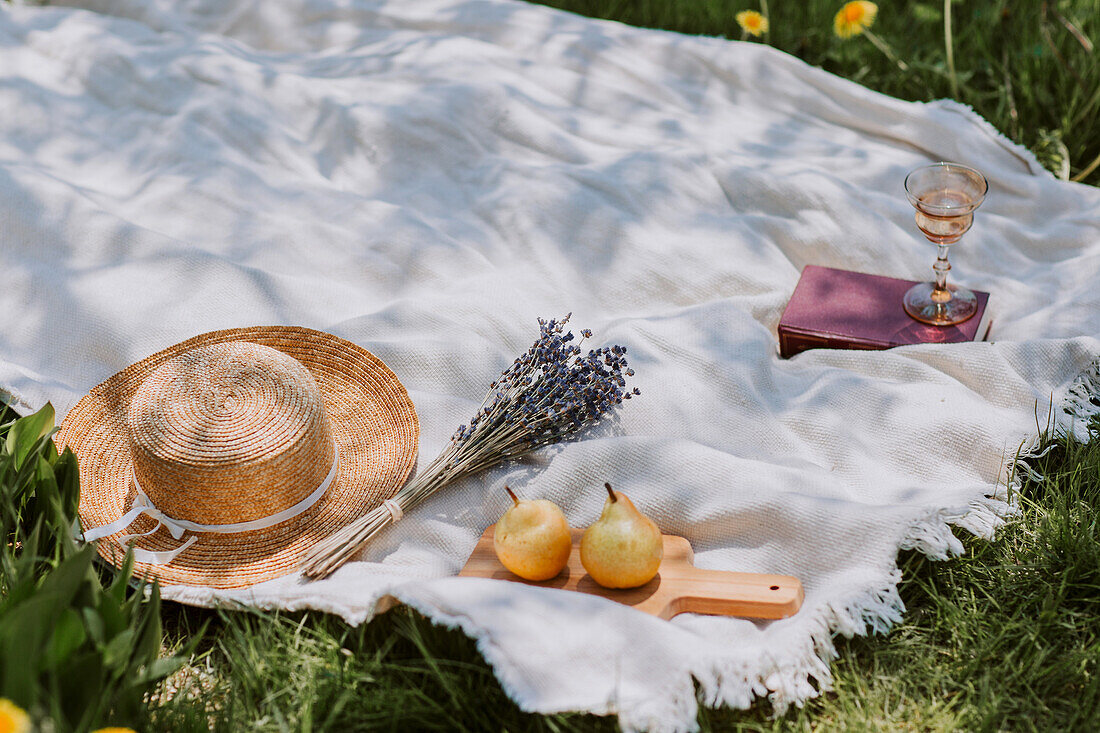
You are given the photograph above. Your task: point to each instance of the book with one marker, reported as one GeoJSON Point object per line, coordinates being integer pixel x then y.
{"type": "Point", "coordinates": [841, 309]}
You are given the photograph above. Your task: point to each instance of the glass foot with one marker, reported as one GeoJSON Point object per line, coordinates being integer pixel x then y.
{"type": "Point", "coordinates": [924, 303]}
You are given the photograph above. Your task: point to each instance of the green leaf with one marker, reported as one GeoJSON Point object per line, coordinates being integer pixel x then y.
{"type": "Point", "coordinates": [68, 635]}
{"type": "Point", "coordinates": [926, 13]}
{"type": "Point", "coordinates": [26, 626]}
{"type": "Point", "coordinates": [114, 619]}
{"type": "Point", "coordinates": [117, 589]}
{"type": "Point", "coordinates": [45, 479]}
{"type": "Point", "coordinates": [47, 500]}
{"type": "Point", "coordinates": [1052, 152]}
{"type": "Point", "coordinates": [147, 647]}
{"type": "Point", "coordinates": [23, 632]}
{"type": "Point", "coordinates": [68, 482]}
{"type": "Point", "coordinates": [117, 652]}
{"type": "Point", "coordinates": [26, 431]}
{"type": "Point", "coordinates": [159, 669]}
{"type": "Point", "coordinates": [94, 624]}
{"type": "Point", "coordinates": [21, 572]}
{"type": "Point", "coordinates": [65, 579]}
{"type": "Point", "coordinates": [83, 690]}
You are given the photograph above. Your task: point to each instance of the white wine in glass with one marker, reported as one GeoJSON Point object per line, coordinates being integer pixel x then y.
{"type": "Point", "coordinates": [945, 196]}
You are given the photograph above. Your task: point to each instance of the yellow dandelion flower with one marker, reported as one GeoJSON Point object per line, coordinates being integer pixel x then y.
{"type": "Point", "coordinates": [752, 22]}
{"type": "Point", "coordinates": [854, 18]}
{"type": "Point", "coordinates": [115, 730]}
{"type": "Point", "coordinates": [13, 719]}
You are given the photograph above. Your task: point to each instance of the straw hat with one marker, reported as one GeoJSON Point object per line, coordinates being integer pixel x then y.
{"type": "Point", "coordinates": [229, 455]}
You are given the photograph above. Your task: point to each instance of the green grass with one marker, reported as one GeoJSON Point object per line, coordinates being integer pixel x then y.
{"type": "Point", "coordinates": [1006, 637]}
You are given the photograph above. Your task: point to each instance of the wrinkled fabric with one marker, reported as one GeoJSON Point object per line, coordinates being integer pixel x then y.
{"type": "Point", "coordinates": [427, 179]}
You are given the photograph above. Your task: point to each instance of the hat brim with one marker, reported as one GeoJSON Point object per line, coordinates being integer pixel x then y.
{"type": "Point", "coordinates": [373, 423]}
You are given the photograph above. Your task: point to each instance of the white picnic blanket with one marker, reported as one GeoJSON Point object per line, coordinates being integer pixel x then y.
{"type": "Point", "coordinates": [427, 178]}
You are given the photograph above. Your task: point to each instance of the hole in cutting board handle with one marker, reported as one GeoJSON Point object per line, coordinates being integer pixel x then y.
{"type": "Point", "coordinates": [774, 587]}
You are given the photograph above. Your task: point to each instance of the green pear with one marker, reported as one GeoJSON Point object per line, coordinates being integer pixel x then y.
{"type": "Point", "coordinates": [532, 538]}
{"type": "Point", "coordinates": [623, 549]}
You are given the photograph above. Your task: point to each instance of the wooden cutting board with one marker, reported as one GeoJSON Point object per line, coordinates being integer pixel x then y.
{"type": "Point", "coordinates": [679, 587]}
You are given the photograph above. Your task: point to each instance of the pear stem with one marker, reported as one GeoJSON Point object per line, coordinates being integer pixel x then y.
{"type": "Point", "coordinates": [512, 494]}
{"type": "Point", "coordinates": [610, 492]}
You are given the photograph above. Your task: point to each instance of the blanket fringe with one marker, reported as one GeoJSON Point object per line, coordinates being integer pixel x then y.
{"type": "Point", "coordinates": [802, 671]}
{"type": "Point", "coordinates": [874, 610]}
{"type": "Point", "coordinates": [1081, 402]}
{"type": "Point", "coordinates": [877, 609]}
{"type": "Point", "coordinates": [1024, 154]}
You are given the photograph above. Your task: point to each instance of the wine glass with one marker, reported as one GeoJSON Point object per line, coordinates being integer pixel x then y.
{"type": "Point", "coordinates": [945, 196]}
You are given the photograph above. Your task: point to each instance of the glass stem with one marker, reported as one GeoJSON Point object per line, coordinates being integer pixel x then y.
{"type": "Point", "coordinates": [941, 268]}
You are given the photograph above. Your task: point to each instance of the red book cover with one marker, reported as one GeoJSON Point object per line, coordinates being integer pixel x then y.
{"type": "Point", "coordinates": [840, 309]}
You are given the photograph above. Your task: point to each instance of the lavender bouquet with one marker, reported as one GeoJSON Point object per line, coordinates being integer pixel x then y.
{"type": "Point", "coordinates": [550, 393]}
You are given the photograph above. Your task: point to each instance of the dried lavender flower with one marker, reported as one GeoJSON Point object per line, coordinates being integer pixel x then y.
{"type": "Point", "coordinates": [550, 393]}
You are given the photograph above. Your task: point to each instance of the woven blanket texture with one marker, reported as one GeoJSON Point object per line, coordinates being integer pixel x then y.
{"type": "Point", "coordinates": [428, 178]}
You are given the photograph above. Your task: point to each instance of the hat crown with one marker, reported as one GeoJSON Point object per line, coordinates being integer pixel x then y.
{"type": "Point", "coordinates": [229, 432]}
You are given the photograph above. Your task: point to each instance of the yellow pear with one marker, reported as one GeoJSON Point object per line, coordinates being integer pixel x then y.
{"type": "Point", "coordinates": [623, 549]}
{"type": "Point", "coordinates": [532, 538]}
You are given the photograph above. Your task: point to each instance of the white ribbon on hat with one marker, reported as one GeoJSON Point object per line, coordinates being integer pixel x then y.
{"type": "Point", "coordinates": [144, 505]}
